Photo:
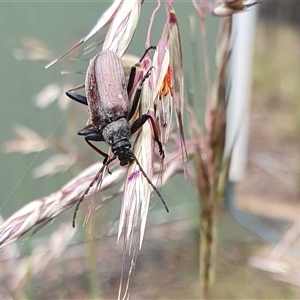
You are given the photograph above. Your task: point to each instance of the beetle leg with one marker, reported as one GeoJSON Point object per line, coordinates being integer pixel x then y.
{"type": "Point", "coordinates": [105, 155]}
{"type": "Point", "coordinates": [137, 95]}
{"type": "Point", "coordinates": [92, 134]}
{"type": "Point", "coordinates": [89, 138]}
{"type": "Point", "coordinates": [133, 69]}
{"type": "Point", "coordinates": [140, 122]}
{"type": "Point", "coordinates": [131, 79]}
{"type": "Point", "coordinates": [79, 98]}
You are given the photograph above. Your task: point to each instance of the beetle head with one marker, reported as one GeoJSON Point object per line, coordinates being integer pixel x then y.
{"type": "Point", "coordinates": [122, 149]}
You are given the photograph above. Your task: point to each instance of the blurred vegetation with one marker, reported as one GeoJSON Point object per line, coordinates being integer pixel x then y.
{"type": "Point", "coordinates": [280, 12]}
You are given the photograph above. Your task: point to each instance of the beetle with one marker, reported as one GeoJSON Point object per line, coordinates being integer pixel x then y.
{"type": "Point", "coordinates": [109, 108]}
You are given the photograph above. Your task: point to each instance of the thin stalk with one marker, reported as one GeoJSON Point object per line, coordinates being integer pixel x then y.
{"type": "Point", "coordinates": [92, 265]}
{"type": "Point", "coordinates": [207, 247]}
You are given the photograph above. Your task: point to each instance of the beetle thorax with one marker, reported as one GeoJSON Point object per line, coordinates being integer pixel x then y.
{"type": "Point", "coordinates": [116, 131]}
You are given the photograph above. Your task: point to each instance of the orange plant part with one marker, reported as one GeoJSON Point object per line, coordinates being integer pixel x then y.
{"type": "Point", "coordinates": [166, 86]}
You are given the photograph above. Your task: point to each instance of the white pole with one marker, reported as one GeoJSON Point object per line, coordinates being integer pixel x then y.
{"type": "Point", "coordinates": [240, 92]}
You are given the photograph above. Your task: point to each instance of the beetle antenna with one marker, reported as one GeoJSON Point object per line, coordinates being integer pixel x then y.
{"type": "Point", "coordinates": [152, 185]}
{"type": "Point", "coordinates": [85, 193]}
{"type": "Point", "coordinates": [89, 187]}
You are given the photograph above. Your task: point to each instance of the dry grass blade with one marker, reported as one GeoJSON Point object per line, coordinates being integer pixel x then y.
{"type": "Point", "coordinates": [41, 211]}
{"type": "Point", "coordinates": [176, 63]}
{"type": "Point", "coordinates": [32, 49]}
{"type": "Point", "coordinates": [27, 141]}
{"type": "Point", "coordinates": [123, 17]}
